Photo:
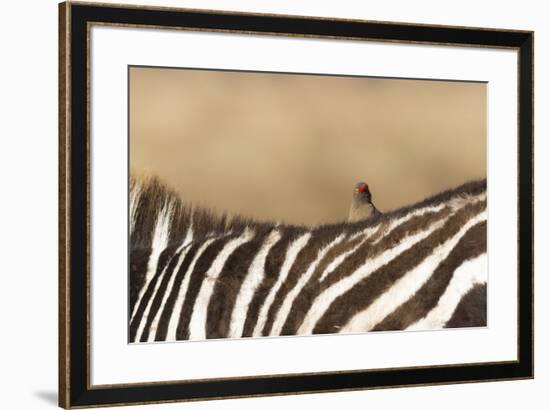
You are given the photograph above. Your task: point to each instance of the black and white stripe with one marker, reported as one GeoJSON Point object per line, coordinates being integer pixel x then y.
{"type": "Point", "coordinates": [195, 275]}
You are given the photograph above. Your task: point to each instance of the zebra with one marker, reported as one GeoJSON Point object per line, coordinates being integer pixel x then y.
{"type": "Point", "coordinates": [197, 275]}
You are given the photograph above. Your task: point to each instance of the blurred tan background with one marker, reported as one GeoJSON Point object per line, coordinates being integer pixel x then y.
{"type": "Point", "coordinates": [290, 147]}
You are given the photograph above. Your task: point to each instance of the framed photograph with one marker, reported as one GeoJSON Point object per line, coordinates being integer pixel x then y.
{"type": "Point", "coordinates": [264, 204]}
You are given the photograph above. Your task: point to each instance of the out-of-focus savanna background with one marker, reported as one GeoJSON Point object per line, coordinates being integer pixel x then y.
{"type": "Point", "coordinates": [290, 148]}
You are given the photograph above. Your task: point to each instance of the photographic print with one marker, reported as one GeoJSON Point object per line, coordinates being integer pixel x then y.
{"type": "Point", "coordinates": [293, 204]}
{"type": "Point", "coordinates": [241, 193]}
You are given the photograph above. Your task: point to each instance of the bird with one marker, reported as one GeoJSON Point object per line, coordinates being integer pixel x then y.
{"type": "Point", "coordinates": [362, 206]}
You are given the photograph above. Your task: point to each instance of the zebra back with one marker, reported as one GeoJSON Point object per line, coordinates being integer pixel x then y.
{"type": "Point", "coordinates": [198, 275]}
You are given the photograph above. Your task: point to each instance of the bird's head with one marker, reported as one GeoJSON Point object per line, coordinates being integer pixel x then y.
{"type": "Point", "coordinates": [362, 191]}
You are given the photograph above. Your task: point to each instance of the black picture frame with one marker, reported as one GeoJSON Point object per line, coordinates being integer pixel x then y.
{"type": "Point", "coordinates": [74, 211]}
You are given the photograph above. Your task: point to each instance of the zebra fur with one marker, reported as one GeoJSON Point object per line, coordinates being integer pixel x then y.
{"type": "Point", "coordinates": [197, 275]}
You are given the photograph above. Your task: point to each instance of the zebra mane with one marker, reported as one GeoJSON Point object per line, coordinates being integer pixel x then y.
{"type": "Point", "coordinates": [151, 201]}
